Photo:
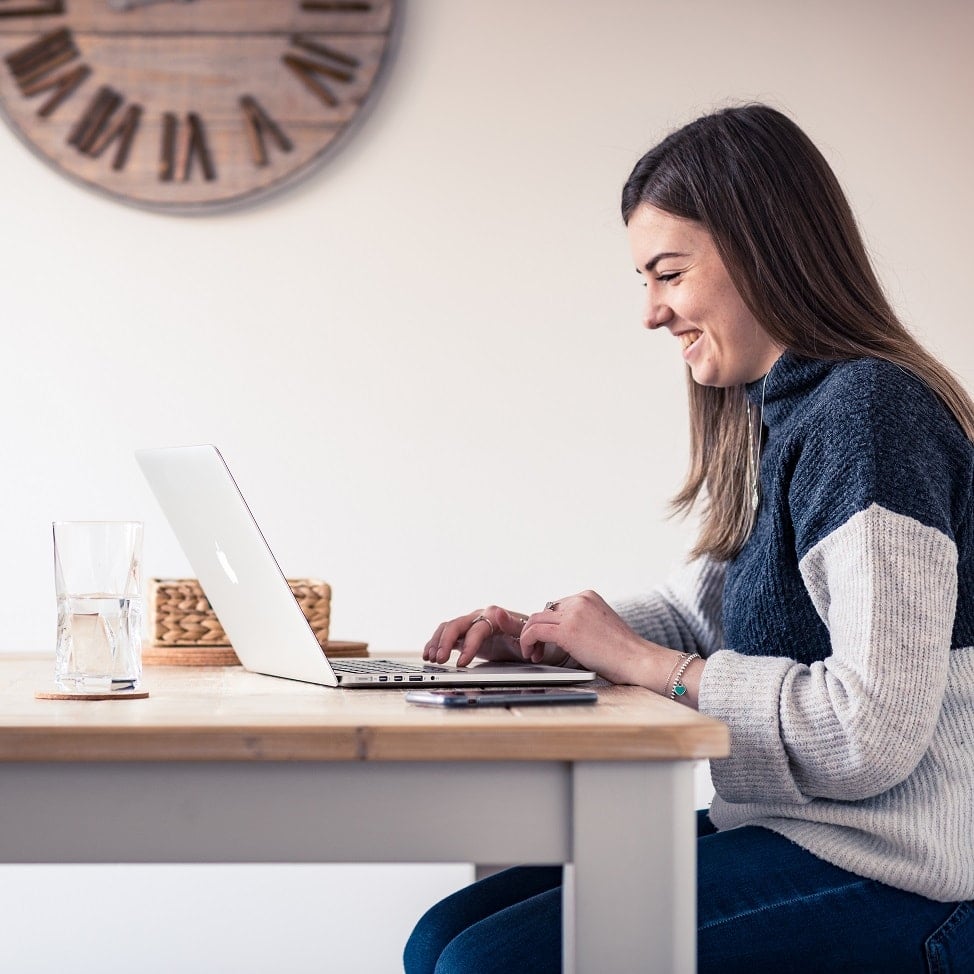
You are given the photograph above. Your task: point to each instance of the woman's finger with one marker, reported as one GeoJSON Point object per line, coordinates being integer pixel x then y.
{"type": "Point", "coordinates": [434, 641]}
{"type": "Point", "coordinates": [480, 631]}
{"type": "Point", "coordinates": [491, 632]}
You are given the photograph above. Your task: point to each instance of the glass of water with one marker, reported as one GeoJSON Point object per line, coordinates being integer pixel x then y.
{"type": "Point", "coordinates": [100, 608]}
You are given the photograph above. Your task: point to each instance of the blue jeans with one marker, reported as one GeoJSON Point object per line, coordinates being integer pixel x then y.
{"type": "Point", "coordinates": [763, 905]}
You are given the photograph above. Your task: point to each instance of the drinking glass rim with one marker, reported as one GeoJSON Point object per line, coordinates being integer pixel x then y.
{"type": "Point", "coordinates": [83, 521]}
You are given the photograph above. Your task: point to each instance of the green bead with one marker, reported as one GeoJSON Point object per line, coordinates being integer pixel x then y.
{"type": "Point", "coordinates": [679, 689]}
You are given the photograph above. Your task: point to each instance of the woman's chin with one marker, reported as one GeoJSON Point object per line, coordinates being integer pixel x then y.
{"type": "Point", "coordinates": [704, 376]}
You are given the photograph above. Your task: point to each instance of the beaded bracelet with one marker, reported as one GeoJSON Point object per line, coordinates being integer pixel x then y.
{"type": "Point", "coordinates": [676, 666]}
{"type": "Point", "coordinates": [679, 688]}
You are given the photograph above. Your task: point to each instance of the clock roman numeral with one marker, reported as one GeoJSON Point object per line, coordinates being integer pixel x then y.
{"type": "Point", "coordinates": [33, 68]}
{"type": "Point", "coordinates": [258, 123]}
{"type": "Point", "coordinates": [98, 127]}
{"type": "Point", "coordinates": [325, 63]}
{"type": "Point", "coordinates": [42, 8]}
{"type": "Point", "coordinates": [177, 155]}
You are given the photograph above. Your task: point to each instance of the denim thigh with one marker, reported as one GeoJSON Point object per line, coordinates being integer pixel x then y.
{"type": "Point", "coordinates": [950, 948]}
{"type": "Point", "coordinates": [766, 904]}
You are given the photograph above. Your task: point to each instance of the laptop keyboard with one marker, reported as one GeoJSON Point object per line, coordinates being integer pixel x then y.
{"type": "Point", "coordinates": [383, 666]}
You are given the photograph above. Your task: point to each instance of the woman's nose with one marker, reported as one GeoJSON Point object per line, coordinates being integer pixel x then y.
{"type": "Point", "coordinates": [655, 312]}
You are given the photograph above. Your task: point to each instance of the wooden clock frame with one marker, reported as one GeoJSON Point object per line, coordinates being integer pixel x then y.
{"type": "Point", "coordinates": [189, 105]}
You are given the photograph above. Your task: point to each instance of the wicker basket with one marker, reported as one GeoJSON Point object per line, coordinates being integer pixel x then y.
{"type": "Point", "coordinates": [184, 629]}
{"type": "Point", "coordinates": [180, 614]}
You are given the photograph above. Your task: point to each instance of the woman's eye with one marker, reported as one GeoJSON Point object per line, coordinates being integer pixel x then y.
{"type": "Point", "coordinates": [668, 277]}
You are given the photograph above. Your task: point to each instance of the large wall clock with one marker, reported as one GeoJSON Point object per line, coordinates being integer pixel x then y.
{"type": "Point", "coordinates": [188, 105]}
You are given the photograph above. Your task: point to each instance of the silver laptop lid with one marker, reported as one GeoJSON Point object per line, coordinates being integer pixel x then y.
{"type": "Point", "coordinates": [234, 564]}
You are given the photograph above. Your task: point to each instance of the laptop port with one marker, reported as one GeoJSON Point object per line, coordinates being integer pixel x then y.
{"type": "Point", "coordinates": [416, 679]}
{"type": "Point", "coordinates": [383, 679]}
{"type": "Point", "coordinates": [398, 679]}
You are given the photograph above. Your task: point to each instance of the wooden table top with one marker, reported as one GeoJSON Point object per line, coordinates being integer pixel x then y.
{"type": "Point", "coordinates": [229, 714]}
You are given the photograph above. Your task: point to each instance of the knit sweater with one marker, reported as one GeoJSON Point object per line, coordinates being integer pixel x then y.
{"type": "Point", "coordinates": [840, 640]}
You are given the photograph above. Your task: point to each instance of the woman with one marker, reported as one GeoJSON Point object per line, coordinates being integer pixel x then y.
{"type": "Point", "coordinates": [827, 615]}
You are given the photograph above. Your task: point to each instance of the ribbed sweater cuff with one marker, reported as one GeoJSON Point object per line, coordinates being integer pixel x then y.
{"type": "Point", "coordinates": [743, 692]}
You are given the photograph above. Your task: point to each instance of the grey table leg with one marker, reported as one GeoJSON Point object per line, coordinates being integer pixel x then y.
{"type": "Point", "coordinates": [630, 891]}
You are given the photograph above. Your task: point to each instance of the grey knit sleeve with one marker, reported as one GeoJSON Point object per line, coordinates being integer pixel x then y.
{"type": "Point", "coordinates": [685, 613]}
{"type": "Point", "coordinates": [859, 722]}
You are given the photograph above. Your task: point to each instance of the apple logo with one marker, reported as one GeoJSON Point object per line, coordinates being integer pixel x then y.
{"type": "Point", "coordinates": [221, 557]}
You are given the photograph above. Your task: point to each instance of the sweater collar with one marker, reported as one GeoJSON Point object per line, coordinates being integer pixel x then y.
{"type": "Point", "coordinates": [786, 384]}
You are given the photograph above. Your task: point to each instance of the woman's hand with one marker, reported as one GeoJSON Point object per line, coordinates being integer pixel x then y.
{"type": "Point", "coordinates": [586, 629]}
{"type": "Point", "coordinates": [492, 634]}
{"type": "Point", "coordinates": [578, 630]}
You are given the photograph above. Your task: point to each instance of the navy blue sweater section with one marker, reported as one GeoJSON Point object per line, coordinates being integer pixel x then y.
{"type": "Point", "coordinates": [840, 437]}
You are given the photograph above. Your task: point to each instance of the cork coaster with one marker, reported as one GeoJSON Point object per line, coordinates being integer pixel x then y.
{"type": "Point", "coordinates": [340, 648]}
{"type": "Point", "coordinates": [225, 656]}
{"type": "Point", "coordinates": [189, 656]}
{"type": "Point", "coordinates": [95, 695]}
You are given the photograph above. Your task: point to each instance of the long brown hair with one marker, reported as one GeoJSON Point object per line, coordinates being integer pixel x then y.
{"type": "Point", "coordinates": [786, 234]}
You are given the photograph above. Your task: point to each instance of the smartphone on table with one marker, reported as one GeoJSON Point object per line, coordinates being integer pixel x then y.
{"type": "Point", "coordinates": [501, 697]}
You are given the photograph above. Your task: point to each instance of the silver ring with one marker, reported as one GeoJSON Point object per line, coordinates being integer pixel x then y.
{"type": "Point", "coordinates": [493, 631]}
{"type": "Point", "coordinates": [550, 606]}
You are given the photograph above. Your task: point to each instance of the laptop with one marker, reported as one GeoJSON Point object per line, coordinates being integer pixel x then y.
{"type": "Point", "coordinates": [254, 603]}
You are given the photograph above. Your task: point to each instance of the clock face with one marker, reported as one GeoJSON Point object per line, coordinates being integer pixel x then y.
{"type": "Point", "coordinates": [188, 104]}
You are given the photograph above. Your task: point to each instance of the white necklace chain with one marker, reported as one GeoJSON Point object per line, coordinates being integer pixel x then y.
{"type": "Point", "coordinates": [752, 490]}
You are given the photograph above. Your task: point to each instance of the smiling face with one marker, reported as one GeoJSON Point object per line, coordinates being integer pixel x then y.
{"type": "Point", "coordinates": [689, 292]}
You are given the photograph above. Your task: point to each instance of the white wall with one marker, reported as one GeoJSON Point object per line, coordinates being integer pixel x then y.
{"type": "Point", "coordinates": [424, 363]}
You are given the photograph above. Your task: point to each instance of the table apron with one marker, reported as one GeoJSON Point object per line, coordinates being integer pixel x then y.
{"type": "Point", "coordinates": [286, 812]}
